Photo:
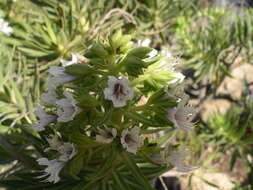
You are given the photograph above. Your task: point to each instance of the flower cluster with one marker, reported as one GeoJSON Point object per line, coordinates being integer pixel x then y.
{"type": "Point", "coordinates": [181, 115]}
{"type": "Point", "coordinates": [67, 152]}
{"type": "Point", "coordinates": [109, 104]}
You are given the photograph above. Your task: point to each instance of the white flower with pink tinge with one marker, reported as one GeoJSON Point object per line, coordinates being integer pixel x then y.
{"type": "Point", "coordinates": [48, 98]}
{"type": "Point", "coordinates": [53, 169]}
{"type": "Point", "coordinates": [44, 119]}
{"type": "Point", "coordinates": [181, 115]}
{"type": "Point", "coordinates": [106, 135]}
{"type": "Point", "coordinates": [66, 108]}
{"type": "Point", "coordinates": [67, 150]}
{"type": "Point", "coordinates": [131, 140]}
{"type": "Point", "coordinates": [118, 91]}
{"type": "Point", "coordinates": [58, 77]}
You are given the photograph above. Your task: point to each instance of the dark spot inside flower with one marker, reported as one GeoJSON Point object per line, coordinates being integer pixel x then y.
{"type": "Point", "coordinates": [118, 90]}
{"type": "Point", "coordinates": [128, 139]}
{"type": "Point", "coordinates": [69, 152]}
{"type": "Point", "coordinates": [109, 135]}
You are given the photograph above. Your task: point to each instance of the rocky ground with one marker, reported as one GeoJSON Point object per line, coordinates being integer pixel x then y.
{"type": "Point", "coordinates": [223, 177]}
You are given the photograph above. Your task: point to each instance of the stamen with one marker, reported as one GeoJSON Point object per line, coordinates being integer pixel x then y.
{"type": "Point", "coordinates": [118, 90]}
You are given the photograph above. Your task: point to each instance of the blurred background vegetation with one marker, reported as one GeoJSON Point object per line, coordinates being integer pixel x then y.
{"type": "Point", "coordinates": [212, 39]}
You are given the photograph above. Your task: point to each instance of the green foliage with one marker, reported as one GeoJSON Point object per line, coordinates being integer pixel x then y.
{"type": "Point", "coordinates": [207, 43]}
{"type": "Point", "coordinates": [232, 133]}
{"type": "Point", "coordinates": [96, 164]}
{"type": "Point", "coordinates": [210, 40]}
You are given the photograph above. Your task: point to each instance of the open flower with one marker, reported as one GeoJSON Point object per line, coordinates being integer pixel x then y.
{"type": "Point", "coordinates": [146, 43]}
{"type": "Point", "coordinates": [118, 91]}
{"type": "Point", "coordinates": [178, 161]}
{"type": "Point", "coordinates": [66, 108]}
{"type": "Point", "coordinates": [67, 151]}
{"type": "Point", "coordinates": [5, 28]}
{"type": "Point", "coordinates": [175, 91]}
{"type": "Point", "coordinates": [181, 115]}
{"type": "Point", "coordinates": [53, 169]}
{"type": "Point", "coordinates": [59, 76]}
{"type": "Point", "coordinates": [54, 142]}
{"type": "Point", "coordinates": [169, 62]}
{"type": "Point", "coordinates": [131, 139]}
{"type": "Point", "coordinates": [106, 135]}
{"type": "Point", "coordinates": [74, 60]}
{"type": "Point", "coordinates": [49, 98]}
{"type": "Point", "coordinates": [177, 78]}
{"type": "Point", "coordinates": [44, 119]}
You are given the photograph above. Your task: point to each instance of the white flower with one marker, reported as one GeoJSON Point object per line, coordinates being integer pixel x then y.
{"type": "Point", "coordinates": [131, 139]}
{"type": "Point", "coordinates": [106, 135]}
{"type": "Point", "coordinates": [58, 76]}
{"type": "Point", "coordinates": [168, 62]}
{"type": "Point", "coordinates": [66, 63]}
{"type": "Point", "coordinates": [66, 108]}
{"type": "Point", "coordinates": [118, 91]}
{"type": "Point", "coordinates": [178, 78]}
{"type": "Point", "coordinates": [44, 119]}
{"type": "Point", "coordinates": [49, 98]}
{"type": "Point", "coordinates": [54, 142]}
{"type": "Point", "coordinates": [181, 115]}
{"type": "Point", "coordinates": [67, 151]}
{"type": "Point", "coordinates": [167, 53]}
{"type": "Point", "coordinates": [153, 53]}
{"type": "Point", "coordinates": [53, 169]}
{"type": "Point", "coordinates": [5, 28]}
{"type": "Point", "coordinates": [146, 43]}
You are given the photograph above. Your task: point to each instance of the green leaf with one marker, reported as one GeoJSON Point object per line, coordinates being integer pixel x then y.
{"type": "Point", "coordinates": [33, 52]}
{"type": "Point", "coordinates": [140, 118]}
{"type": "Point", "coordinates": [140, 52]}
{"type": "Point", "coordinates": [119, 182]}
{"type": "Point", "coordinates": [96, 51]}
{"type": "Point", "coordinates": [79, 70]}
{"type": "Point", "coordinates": [134, 65]}
{"type": "Point", "coordinates": [86, 100]}
{"type": "Point", "coordinates": [233, 159]}
{"type": "Point", "coordinates": [131, 165]}
{"type": "Point", "coordinates": [76, 165]}
{"type": "Point", "coordinates": [165, 137]}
